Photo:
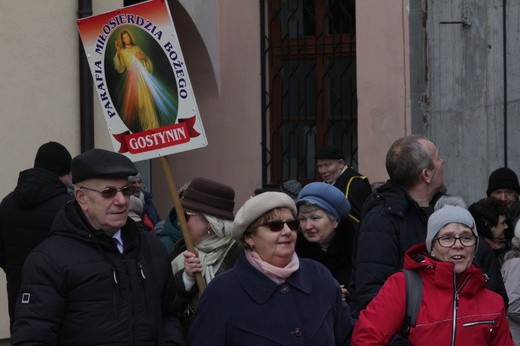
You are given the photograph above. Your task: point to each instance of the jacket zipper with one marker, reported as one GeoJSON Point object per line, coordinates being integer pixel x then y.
{"type": "Point", "coordinates": [471, 324]}
{"type": "Point", "coordinates": [456, 306]}
{"type": "Point", "coordinates": [141, 277]}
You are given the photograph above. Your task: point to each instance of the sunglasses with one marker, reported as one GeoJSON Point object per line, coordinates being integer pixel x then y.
{"type": "Point", "coordinates": [277, 226]}
{"type": "Point", "coordinates": [110, 192]}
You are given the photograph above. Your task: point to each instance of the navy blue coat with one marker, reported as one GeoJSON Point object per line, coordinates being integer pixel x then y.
{"type": "Point", "coordinates": [244, 307]}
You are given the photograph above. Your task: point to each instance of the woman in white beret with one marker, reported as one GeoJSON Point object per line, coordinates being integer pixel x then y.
{"type": "Point", "coordinates": [456, 307]}
{"type": "Point", "coordinates": [270, 296]}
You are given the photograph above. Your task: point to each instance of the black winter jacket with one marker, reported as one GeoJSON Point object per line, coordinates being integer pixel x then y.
{"type": "Point", "coordinates": [338, 256]}
{"type": "Point", "coordinates": [77, 289]}
{"type": "Point", "coordinates": [357, 189]}
{"type": "Point", "coordinates": [392, 223]}
{"type": "Point", "coordinates": [26, 216]}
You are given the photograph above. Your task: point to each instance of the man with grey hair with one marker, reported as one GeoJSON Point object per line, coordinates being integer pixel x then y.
{"type": "Point", "coordinates": [395, 215]}
{"type": "Point", "coordinates": [97, 279]}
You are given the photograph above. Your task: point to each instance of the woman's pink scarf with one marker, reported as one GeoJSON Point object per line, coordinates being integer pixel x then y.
{"type": "Point", "coordinates": [277, 274]}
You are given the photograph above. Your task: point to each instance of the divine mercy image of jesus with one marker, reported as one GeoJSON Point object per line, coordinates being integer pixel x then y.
{"type": "Point", "coordinates": [145, 98]}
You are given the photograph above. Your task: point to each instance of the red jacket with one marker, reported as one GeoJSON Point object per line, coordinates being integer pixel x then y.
{"type": "Point", "coordinates": [479, 313]}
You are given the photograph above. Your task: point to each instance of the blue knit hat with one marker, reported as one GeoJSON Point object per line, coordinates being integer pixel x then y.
{"type": "Point", "coordinates": [327, 197]}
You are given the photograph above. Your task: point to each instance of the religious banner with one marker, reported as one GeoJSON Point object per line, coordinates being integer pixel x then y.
{"type": "Point", "coordinates": [141, 79]}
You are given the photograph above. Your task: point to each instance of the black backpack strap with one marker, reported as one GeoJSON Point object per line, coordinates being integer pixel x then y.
{"type": "Point", "coordinates": [413, 300]}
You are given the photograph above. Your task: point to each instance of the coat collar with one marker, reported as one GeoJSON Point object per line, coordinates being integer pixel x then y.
{"type": "Point", "coordinates": [441, 273]}
{"type": "Point", "coordinates": [260, 288]}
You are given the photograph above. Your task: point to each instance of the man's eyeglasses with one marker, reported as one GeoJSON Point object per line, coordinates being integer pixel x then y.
{"type": "Point", "coordinates": [110, 192]}
{"type": "Point", "coordinates": [465, 240]}
{"type": "Point", "coordinates": [277, 226]}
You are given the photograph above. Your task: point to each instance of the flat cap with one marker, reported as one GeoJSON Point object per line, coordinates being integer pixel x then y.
{"type": "Point", "coordinates": [98, 163]}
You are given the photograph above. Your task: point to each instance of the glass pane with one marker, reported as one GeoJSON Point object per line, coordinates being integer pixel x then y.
{"type": "Point", "coordinates": [341, 88]}
{"type": "Point", "coordinates": [298, 148]}
{"type": "Point", "coordinates": [297, 18]}
{"type": "Point", "coordinates": [298, 89]}
{"type": "Point", "coordinates": [341, 16]}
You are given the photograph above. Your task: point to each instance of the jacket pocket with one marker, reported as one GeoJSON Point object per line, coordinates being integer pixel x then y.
{"type": "Point", "coordinates": [478, 323]}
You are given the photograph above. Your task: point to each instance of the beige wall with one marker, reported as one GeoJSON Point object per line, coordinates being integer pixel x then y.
{"type": "Point", "coordinates": [382, 81]}
{"type": "Point", "coordinates": [229, 105]}
{"type": "Point", "coordinates": [40, 100]}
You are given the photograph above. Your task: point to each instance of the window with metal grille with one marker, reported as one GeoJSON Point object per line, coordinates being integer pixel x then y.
{"type": "Point", "coordinates": [308, 83]}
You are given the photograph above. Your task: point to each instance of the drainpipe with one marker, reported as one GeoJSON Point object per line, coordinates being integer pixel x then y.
{"type": "Point", "coordinates": [504, 28]}
{"type": "Point", "coordinates": [86, 88]}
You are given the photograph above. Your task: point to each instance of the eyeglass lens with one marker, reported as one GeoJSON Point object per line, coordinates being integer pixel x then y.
{"type": "Point", "coordinates": [110, 192]}
{"type": "Point", "coordinates": [466, 240]}
{"type": "Point", "coordinates": [276, 226]}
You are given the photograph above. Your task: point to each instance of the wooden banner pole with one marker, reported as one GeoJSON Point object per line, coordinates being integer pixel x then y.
{"type": "Point", "coordinates": [180, 215]}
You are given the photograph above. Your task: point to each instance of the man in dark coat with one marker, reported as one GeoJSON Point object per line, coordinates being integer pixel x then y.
{"type": "Point", "coordinates": [27, 213]}
{"type": "Point", "coordinates": [503, 185]}
{"type": "Point", "coordinates": [98, 278]}
{"type": "Point", "coordinates": [395, 215]}
{"type": "Point", "coordinates": [331, 165]}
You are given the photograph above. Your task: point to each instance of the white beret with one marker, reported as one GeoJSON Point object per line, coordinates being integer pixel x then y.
{"type": "Point", "coordinates": [257, 206]}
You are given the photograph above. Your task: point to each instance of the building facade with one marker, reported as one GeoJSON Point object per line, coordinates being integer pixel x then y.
{"type": "Point", "coordinates": [405, 75]}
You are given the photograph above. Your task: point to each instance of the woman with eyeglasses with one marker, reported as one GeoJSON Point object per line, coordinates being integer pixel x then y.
{"type": "Point", "coordinates": [456, 307]}
{"type": "Point", "coordinates": [270, 296]}
{"type": "Point", "coordinates": [326, 233]}
{"type": "Point", "coordinates": [208, 207]}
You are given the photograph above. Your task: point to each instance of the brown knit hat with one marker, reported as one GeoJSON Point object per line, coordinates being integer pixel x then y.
{"type": "Point", "coordinates": [209, 197]}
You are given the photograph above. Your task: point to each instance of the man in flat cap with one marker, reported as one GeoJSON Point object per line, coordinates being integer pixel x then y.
{"type": "Point", "coordinates": [27, 213]}
{"type": "Point", "coordinates": [97, 279]}
{"type": "Point", "coordinates": [330, 161]}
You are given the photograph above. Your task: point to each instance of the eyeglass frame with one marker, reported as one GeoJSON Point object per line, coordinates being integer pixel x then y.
{"type": "Point", "coordinates": [273, 228]}
{"type": "Point", "coordinates": [111, 192]}
{"type": "Point", "coordinates": [455, 240]}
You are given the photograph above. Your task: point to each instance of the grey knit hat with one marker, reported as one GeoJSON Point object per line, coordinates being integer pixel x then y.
{"type": "Point", "coordinates": [445, 215]}
{"type": "Point", "coordinates": [257, 206]}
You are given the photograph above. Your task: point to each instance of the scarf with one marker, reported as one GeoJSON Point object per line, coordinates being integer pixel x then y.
{"type": "Point", "coordinates": [277, 274]}
{"type": "Point", "coordinates": [212, 250]}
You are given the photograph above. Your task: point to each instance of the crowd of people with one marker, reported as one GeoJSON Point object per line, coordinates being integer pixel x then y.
{"type": "Point", "coordinates": [338, 261]}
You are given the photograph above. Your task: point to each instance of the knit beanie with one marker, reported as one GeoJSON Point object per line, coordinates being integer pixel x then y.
{"type": "Point", "coordinates": [53, 157]}
{"type": "Point", "coordinates": [291, 187]}
{"type": "Point", "coordinates": [327, 197]}
{"type": "Point", "coordinates": [445, 215]}
{"type": "Point", "coordinates": [503, 178]}
{"type": "Point", "coordinates": [209, 197]}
